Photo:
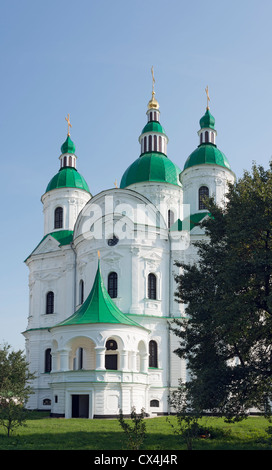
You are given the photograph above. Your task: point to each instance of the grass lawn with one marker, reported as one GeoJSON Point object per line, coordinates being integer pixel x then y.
{"type": "Point", "coordinates": [44, 433]}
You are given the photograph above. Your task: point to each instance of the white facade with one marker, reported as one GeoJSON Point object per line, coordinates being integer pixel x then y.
{"type": "Point", "coordinates": [70, 361]}
{"type": "Point", "coordinates": [71, 200]}
{"type": "Point", "coordinates": [214, 177]}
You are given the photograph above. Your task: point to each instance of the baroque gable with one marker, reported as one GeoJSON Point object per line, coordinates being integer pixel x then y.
{"type": "Point", "coordinates": [47, 245]}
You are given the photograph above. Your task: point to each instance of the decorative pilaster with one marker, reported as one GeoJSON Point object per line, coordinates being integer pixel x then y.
{"type": "Point", "coordinates": [134, 308]}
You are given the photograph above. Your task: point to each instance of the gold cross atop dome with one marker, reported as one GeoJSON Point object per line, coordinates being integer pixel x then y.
{"type": "Point", "coordinates": [208, 98]}
{"type": "Point", "coordinates": [153, 80]}
{"type": "Point", "coordinates": [153, 103]}
{"type": "Point", "coordinates": [69, 124]}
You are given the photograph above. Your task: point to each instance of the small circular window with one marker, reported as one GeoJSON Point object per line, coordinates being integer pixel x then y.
{"type": "Point", "coordinates": [113, 241]}
{"type": "Point", "coordinates": [111, 345]}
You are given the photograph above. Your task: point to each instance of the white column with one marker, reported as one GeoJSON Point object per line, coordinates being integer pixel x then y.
{"type": "Point", "coordinates": [134, 361]}
{"type": "Point", "coordinates": [124, 360]}
{"type": "Point", "coordinates": [54, 362]}
{"type": "Point", "coordinates": [64, 359]}
{"type": "Point", "coordinates": [144, 363]}
{"type": "Point", "coordinates": [100, 358]}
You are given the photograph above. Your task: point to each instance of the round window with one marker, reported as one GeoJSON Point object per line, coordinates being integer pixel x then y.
{"type": "Point", "coordinates": [111, 345]}
{"type": "Point", "coordinates": [113, 241]}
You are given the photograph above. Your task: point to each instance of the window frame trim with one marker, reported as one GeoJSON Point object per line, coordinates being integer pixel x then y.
{"type": "Point", "coordinates": [198, 197]}
{"type": "Point", "coordinates": [52, 303]}
{"type": "Point", "coordinates": [62, 217]}
{"type": "Point", "coordinates": [114, 288]}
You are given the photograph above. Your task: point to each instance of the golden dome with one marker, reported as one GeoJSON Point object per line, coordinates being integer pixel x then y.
{"type": "Point", "coordinates": [153, 103]}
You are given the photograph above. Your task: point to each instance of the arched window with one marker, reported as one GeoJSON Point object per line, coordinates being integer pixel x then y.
{"type": "Point", "coordinates": [160, 143]}
{"type": "Point", "coordinates": [153, 354]}
{"type": "Point", "coordinates": [212, 137]}
{"type": "Point", "coordinates": [152, 286]}
{"type": "Point", "coordinates": [203, 192]}
{"type": "Point", "coordinates": [111, 356]}
{"type": "Point", "coordinates": [170, 218]}
{"type": "Point", "coordinates": [47, 360]}
{"type": "Point", "coordinates": [79, 358]}
{"type": "Point", "coordinates": [46, 402]}
{"type": "Point", "coordinates": [81, 291]}
{"type": "Point", "coordinates": [150, 143]}
{"type": "Point", "coordinates": [155, 143]}
{"type": "Point", "coordinates": [58, 219]}
{"type": "Point", "coordinates": [50, 302]}
{"type": "Point", "coordinates": [155, 403]}
{"type": "Point", "coordinates": [206, 136]}
{"type": "Point", "coordinates": [112, 285]}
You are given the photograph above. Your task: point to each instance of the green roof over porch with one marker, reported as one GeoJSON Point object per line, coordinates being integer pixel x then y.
{"type": "Point", "coordinates": [98, 308]}
{"type": "Point", "coordinates": [193, 220]}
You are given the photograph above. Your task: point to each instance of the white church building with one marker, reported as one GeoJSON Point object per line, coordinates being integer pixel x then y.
{"type": "Point", "coordinates": [102, 279]}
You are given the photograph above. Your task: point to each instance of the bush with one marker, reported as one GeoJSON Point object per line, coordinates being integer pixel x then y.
{"type": "Point", "coordinates": [135, 432]}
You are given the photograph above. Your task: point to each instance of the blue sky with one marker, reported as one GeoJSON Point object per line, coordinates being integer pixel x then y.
{"type": "Point", "coordinates": [92, 59]}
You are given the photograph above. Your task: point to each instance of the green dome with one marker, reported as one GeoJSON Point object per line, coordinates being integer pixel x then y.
{"type": "Point", "coordinates": [68, 177]}
{"type": "Point", "coordinates": [68, 146]}
{"type": "Point", "coordinates": [151, 167]}
{"type": "Point", "coordinates": [207, 120]}
{"type": "Point", "coordinates": [207, 154]}
{"type": "Point", "coordinates": [153, 126]}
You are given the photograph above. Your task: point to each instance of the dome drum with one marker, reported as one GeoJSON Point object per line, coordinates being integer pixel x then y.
{"type": "Point", "coordinates": [153, 115]}
{"type": "Point", "coordinates": [67, 160]}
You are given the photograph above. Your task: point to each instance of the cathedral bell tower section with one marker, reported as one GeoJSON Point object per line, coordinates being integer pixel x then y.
{"type": "Point", "coordinates": [206, 171]}
{"type": "Point", "coordinates": [67, 192]}
{"type": "Point", "coordinates": [153, 174]}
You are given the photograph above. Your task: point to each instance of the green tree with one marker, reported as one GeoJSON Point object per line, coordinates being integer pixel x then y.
{"type": "Point", "coordinates": [226, 336]}
{"type": "Point", "coordinates": [136, 430]}
{"type": "Point", "coordinates": [187, 419]}
{"type": "Point", "coordinates": [15, 388]}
